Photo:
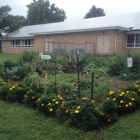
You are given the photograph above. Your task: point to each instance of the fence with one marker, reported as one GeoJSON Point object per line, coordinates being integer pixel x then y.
{"type": "Point", "coordinates": [70, 47]}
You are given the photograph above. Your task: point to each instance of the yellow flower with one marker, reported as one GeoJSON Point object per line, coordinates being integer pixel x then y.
{"type": "Point", "coordinates": [59, 96]}
{"type": "Point", "coordinates": [120, 94]}
{"type": "Point", "coordinates": [114, 99]}
{"type": "Point", "coordinates": [42, 104]}
{"type": "Point", "coordinates": [121, 101]}
{"type": "Point", "coordinates": [56, 102]}
{"type": "Point", "coordinates": [49, 103]}
{"type": "Point", "coordinates": [107, 98]}
{"type": "Point", "coordinates": [139, 90]}
{"type": "Point", "coordinates": [78, 107]}
{"type": "Point", "coordinates": [96, 108]}
{"type": "Point", "coordinates": [39, 99]}
{"type": "Point", "coordinates": [136, 85]}
{"type": "Point", "coordinates": [111, 92]}
{"type": "Point", "coordinates": [53, 100]}
{"type": "Point", "coordinates": [10, 89]}
{"type": "Point", "coordinates": [84, 98]}
{"type": "Point", "coordinates": [126, 105]}
{"type": "Point", "coordinates": [25, 96]}
{"type": "Point", "coordinates": [51, 109]}
{"type": "Point", "coordinates": [130, 103]}
{"type": "Point", "coordinates": [132, 99]}
{"type": "Point", "coordinates": [76, 111]}
{"type": "Point", "coordinates": [127, 91]}
{"type": "Point", "coordinates": [92, 101]}
{"type": "Point", "coordinates": [13, 86]}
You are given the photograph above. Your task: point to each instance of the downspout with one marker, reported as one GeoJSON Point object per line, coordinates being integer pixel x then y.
{"type": "Point", "coordinates": [116, 37]}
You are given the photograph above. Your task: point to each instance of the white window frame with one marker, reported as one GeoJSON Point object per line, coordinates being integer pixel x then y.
{"type": "Point", "coordinates": [134, 44]}
{"type": "Point", "coordinates": [14, 43]}
{"type": "Point", "coordinates": [27, 43]}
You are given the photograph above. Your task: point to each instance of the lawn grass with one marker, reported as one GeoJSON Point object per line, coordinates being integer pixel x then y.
{"type": "Point", "coordinates": [12, 57]}
{"type": "Point", "coordinates": [21, 123]}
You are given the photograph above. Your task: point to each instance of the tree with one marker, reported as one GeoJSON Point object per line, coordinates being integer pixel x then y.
{"type": "Point", "coordinates": [41, 11]}
{"type": "Point", "coordinates": [9, 23]}
{"type": "Point", "coordinates": [95, 12]}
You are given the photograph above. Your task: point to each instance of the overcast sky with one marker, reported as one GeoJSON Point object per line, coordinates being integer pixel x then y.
{"type": "Point", "coordinates": [76, 9]}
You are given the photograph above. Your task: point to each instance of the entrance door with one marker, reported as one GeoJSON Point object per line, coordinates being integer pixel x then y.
{"type": "Point", "coordinates": [103, 44]}
{"type": "Point", "coordinates": [48, 45]}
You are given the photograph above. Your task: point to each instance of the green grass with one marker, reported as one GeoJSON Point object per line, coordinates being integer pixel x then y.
{"type": "Point", "coordinates": [12, 57]}
{"type": "Point", "coordinates": [21, 123]}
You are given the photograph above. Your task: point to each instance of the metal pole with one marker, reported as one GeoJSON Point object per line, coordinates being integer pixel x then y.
{"type": "Point", "coordinates": [92, 85]}
{"type": "Point", "coordinates": [6, 78]}
{"type": "Point", "coordinates": [55, 73]}
{"type": "Point", "coordinates": [77, 53]}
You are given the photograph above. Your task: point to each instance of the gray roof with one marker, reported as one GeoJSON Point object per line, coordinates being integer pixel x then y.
{"type": "Point", "coordinates": [125, 22]}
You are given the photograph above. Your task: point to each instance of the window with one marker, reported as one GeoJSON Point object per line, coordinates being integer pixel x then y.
{"type": "Point", "coordinates": [27, 43]}
{"type": "Point", "coordinates": [15, 43]}
{"type": "Point", "coordinates": [133, 40]}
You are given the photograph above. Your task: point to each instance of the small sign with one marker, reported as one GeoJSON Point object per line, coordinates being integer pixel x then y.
{"type": "Point", "coordinates": [129, 62]}
{"type": "Point", "coordinates": [45, 57]}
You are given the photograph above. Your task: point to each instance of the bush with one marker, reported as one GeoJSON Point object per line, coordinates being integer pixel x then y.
{"type": "Point", "coordinates": [126, 101]}
{"type": "Point", "coordinates": [16, 93]}
{"type": "Point", "coordinates": [49, 104]}
{"type": "Point", "coordinates": [4, 90]}
{"type": "Point", "coordinates": [36, 82]}
{"type": "Point", "coordinates": [118, 65]}
{"type": "Point", "coordinates": [80, 113]}
{"type": "Point", "coordinates": [109, 112]}
{"type": "Point", "coordinates": [30, 98]}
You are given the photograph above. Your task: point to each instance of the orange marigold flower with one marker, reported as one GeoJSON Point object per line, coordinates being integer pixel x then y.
{"type": "Point", "coordinates": [25, 96]}
{"type": "Point", "coordinates": [33, 97]}
{"type": "Point", "coordinates": [109, 120]}
{"type": "Point", "coordinates": [102, 114]}
{"type": "Point", "coordinates": [66, 111]}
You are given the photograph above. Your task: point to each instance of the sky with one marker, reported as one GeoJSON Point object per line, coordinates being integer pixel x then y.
{"type": "Point", "coordinates": [77, 9]}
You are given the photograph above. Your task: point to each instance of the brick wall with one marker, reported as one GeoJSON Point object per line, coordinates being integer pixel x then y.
{"type": "Point", "coordinates": [39, 41]}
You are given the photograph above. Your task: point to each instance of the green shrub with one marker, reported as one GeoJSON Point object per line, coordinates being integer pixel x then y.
{"type": "Point", "coordinates": [80, 113]}
{"type": "Point", "coordinates": [126, 101]}
{"type": "Point", "coordinates": [109, 112]}
{"type": "Point", "coordinates": [49, 104]}
{"type": "Point", "coordinates": [4, 90]}
{"type": "Point", "coordinates": [16, 93]}
{"type": "Point", "coordinates": [30, 98]}
{"type": "Point", "coordinates": [118, 65]}
{"type": "Point", "coordinates": [36, 82]}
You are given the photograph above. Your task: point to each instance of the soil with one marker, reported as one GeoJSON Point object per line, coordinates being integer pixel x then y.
{"type": "Point", "coordinates": [117, 83]}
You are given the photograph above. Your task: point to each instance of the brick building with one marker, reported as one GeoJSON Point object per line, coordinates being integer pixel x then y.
{"type": "Point", "coordinates": [101, 35]}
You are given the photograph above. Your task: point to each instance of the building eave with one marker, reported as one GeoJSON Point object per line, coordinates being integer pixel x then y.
{"type": "Point", "coordinates": [16, 38]}
{"type": "Point", "coordinates": [82, 30]}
